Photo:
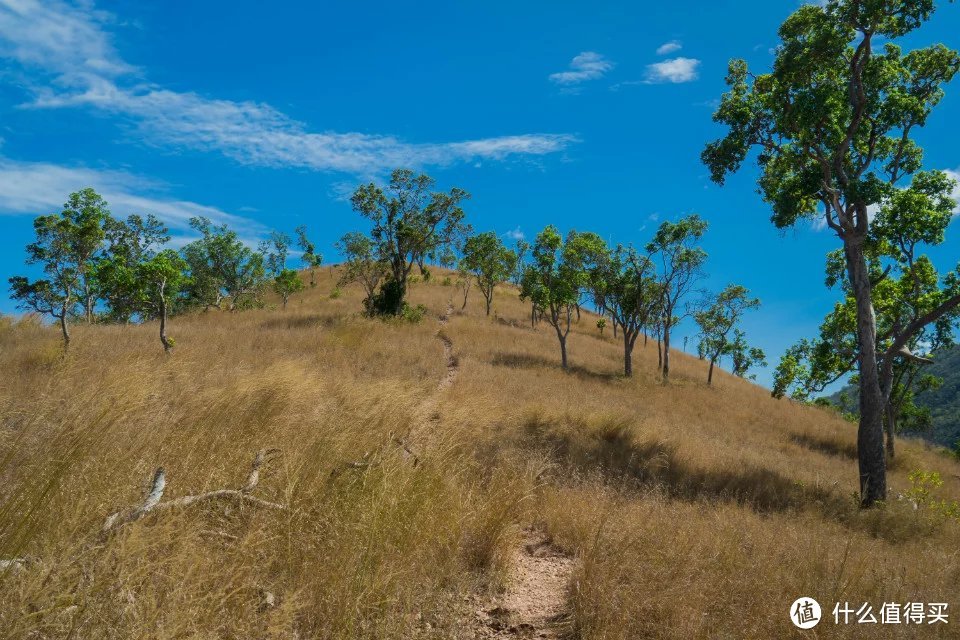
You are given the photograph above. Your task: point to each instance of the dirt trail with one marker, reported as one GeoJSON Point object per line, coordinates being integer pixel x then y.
{"type": "Point", "coordinates": [534, 604]}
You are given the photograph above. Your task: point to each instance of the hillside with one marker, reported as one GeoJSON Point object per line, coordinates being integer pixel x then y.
{"type": "Point", "coordinates": [944, 402]}
{"type": "Point", "coordinates": [443, 479]}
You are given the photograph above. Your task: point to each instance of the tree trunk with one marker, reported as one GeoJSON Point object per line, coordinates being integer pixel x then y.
{"type": "Point", "coordinates": [489, 301]}
{"type": "Point", "coordinates": [313, 277]}
{"type": "Point", "coordinates": [615, 328]}
{"type": "Point", "coordinates": [870, 455]}
{"type": "Point", "coordinates": [666, 354]}
{"type": "Point", "coordinates": [627, 355]}
{"type": "Point", "coordinates": [563, 350]}
{"type": "Point", "coordinates": [285, 302]}
{"type": "Point", "coordinates": [659, 355]}
{"type": "Point", "coordinates": [167, 345]}
{"type": "Point", "coordinates": [891, 429]}
{"type": "Point", "coordinates": [63, 327]}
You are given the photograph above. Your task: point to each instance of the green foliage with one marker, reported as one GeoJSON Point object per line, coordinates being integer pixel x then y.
{"type": "Point", "coordinates": [409, 224]}
{"type": "Point", "coordinates": [221, 267]}
{"type": "Point", "coordinates": [601, 324]}
{"type": "Point", "coordinates": [413, 314]}
{"type": "Point", "coordinates": [275, 250]}
{"type": "Point", "coordinates": [490, 262]}
{"type": "Point", "coordinates": [336, 293]}
{"type": "Point", "coordinates": [719, 335]}
{"type": "Point", "coordinates": [311, 258]}
{"type": "Point", "coordinates": [116, 282]}
{"type": "Point", "coordinates": [362, 265]}
{"type": "Point", "coordinates": [558, 271]}
{"type": "Point", "coordinates": [286, 283]}
{"type": "Point", "coordinates": [923, 485]}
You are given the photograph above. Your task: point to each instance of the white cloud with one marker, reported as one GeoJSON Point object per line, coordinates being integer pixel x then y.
{"type": "Point", "coordinates": [587, 65]}
{"type": "Point", "coordinates": [669, 47]}
{"type": "Point", "coordinates": [68, 44]}
{"type": "Point", "coordinates": [40, 188]}
{"type": "Point", "coordinates": [955, 175]}
{"type": "Point", "coordinates": [674, 70]}
{"type": "Point", "coordinates": [515, 234]}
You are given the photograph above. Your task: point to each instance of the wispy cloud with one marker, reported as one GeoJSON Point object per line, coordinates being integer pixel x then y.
{"type": "Point", "coordinates": [515, 234]}
{"type": "Point", "coordinates": [587, 65]}
{"type": "Point", "coordinates": [37, 188]}
{"type": "Point", "coordinates": [675, 70]}
{"type": "Point", "coordinates": [669, 47]}
{"type": "Point", "coordinates": [68, 46]}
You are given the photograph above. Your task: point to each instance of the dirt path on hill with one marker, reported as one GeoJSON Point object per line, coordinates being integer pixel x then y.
{"type": "Point", "coordinates": [534, 603]}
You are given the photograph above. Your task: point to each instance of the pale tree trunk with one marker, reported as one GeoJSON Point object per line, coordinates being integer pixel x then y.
{"type": "Point", "coordinates": [64, 329]}
{"type": "Point", "coordinates": [167, 345]}
{"type": "Point", "coordinates": [872, 464]}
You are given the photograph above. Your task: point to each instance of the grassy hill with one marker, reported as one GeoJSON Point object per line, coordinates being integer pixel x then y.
{"type": "Point", "coordinates": [943, 402]}
{"type": "Point", "coordinates": [435, 480]}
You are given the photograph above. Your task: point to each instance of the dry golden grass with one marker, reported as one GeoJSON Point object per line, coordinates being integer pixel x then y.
{"type": "Point", "coordinates": [692, 512]}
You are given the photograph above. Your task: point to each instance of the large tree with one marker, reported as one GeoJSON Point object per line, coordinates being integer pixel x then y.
{"type": "Point", "coordinates": [834, 124]}
{"type": "Point", "coordinates": [409, 223]}
{"type": "Point", "coordinates": [162, 278]}
{"type": "Point", "coordinates": [65, 247]}
{"type": "Point", "coordinates": [128, 243]}
{"type": "Point", "coordinates": [489, 261]}
{"type": "Point", "coordinates": [680, 268]}
{"type": "Point", "coordinates": [361, 264]}
{"type": "Point", "coordinates": [718, 322]}
{"type": "Point", "coordinates": [556, 275]}
{"type": "Point", "coordinates": [624, 284]}
{"type": "Point", "coordinates": [222, 267]}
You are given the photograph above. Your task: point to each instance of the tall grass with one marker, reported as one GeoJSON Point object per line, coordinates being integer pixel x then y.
{"type": "Point", "coordinates": [692, 512]}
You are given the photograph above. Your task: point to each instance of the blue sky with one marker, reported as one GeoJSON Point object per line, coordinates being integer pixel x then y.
{"type": "Point", "coordinates": [266, 115]}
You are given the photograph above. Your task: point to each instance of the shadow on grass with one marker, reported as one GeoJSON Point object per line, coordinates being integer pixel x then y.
{"type": "Point", "coordinates": [610, 448]}
{"type": "Point", "coordinates": [527, 361]}
{"type": "Point", "coordinates": [302, 322]}
{"type": "Point", "coordinates": [829, 446]}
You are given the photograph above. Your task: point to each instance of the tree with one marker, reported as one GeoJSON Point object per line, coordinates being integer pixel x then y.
{"type": "Point", "coordinates": [87, 213]}
{"type": "Point", "coordinates": [743, 356]}
{"type": "Point", "coordinates": [310, 256]}
{"type": "Point", "coordinates": [680, 269]}
{"type": "Point", "coordinates": [162, 278]}
{"type": "Point", "coordinates": [64, 247]}
{"type": "Point", "coordinates": [521, 247]}
{"type": "Point", "coordinates": [286, 283]}
{"type": "Point", "coordinates": [275, 250]}
{"type": "Point", "coordinates": [834, 124]}
{"type": "Point", "coordinates": [129, 242]}
{"type": "Point", "coordinates": [490, 262]}
{"type": "Point", "coordinates": [222, 268]}
{"type": "Point", "coordinates": [409, 224]}
{"type": "Point", "coordinates": [624, 284]}
{"type": "Point", "coordinates": [362, 265]}
{"type": "Point", "coordinates": [556, 275]}
{"type": "Point", "coordinates": [717, 323]}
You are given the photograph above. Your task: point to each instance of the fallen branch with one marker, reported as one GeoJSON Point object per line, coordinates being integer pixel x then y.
{"type": "Point", "coordinates": [153, 502]}
{"type": "Point", "coordinates": [364, 463]}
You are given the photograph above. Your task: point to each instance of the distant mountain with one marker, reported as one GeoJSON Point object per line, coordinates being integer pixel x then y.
{"type": "Point", "coordinates": [944, 403]}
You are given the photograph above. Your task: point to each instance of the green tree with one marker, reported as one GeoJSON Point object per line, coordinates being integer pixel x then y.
{"type": "Point", "coordinates": [556, 275]}
{"type": "Point", "coordinates": [408, 224]}
{"type": "Point", "coordinates": [275, 250]}
{"type": "Point", "coordinates": [310, 257]}
{"type": "Point", "coordinates": [834, 123]}
{"type": "Point", "coordinates": [128, 243]}
{"type": "Point", "coordinates": [624, 284]}
{"type": "Point", "coordinates": [88, 214]}
{"type": "Point", "coordinates": [680, 269]}
{"type": "Point", "coordinates": [489, 261]}
{"type": "Point", "coordinates": [222, 268]}
{"type": "Point", "coordinates": [718, 321]}
{"type": "Point", "coordinates": [363, 265]}
{"type": "Point", "coordinates": [162, 278]}
{"type": "Point", "coordinates": [743, 357]}
{"type": "Point", "coordinates": [65, 247]}
{"type": "Point", "coordinates": [286, 283]}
